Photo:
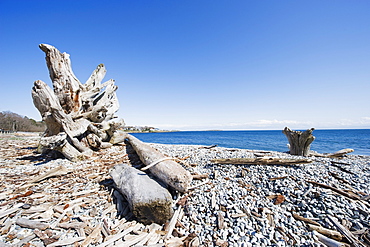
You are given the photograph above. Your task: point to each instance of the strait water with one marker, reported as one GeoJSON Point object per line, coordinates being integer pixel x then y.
{"type": "Point", "coordinates": [327, 141]}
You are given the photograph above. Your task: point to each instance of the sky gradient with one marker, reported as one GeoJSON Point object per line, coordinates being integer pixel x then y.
{"type": "Point", "coordinates": [199, 65]}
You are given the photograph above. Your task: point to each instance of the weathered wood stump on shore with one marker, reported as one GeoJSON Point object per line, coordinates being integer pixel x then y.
{"type": "Point", "coordinates": [299, 142]}
{"type": "Point", "coordinates": [78, 116]}
{"type": "Point", "coordinates": [148, 200]}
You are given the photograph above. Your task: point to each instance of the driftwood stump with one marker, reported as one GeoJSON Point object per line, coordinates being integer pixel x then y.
{"type": "Point", "coordinates": [299, 142]}
{"type": "Point", "coordinates": [78, 116]}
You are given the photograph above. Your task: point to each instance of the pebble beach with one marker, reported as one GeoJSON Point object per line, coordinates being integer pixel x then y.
{"type": "Point", "coordinates": [227, 204]}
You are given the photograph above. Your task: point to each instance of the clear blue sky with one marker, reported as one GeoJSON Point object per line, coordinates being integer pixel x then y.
{"type": "Point", "coordinates": [195, 65]}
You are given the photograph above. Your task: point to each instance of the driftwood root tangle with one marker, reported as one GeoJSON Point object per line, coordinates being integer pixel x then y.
{"type": "Point", "coordinates": [299, 142]}
{"type": "Point", "coordinates": [77, 116]}
{"type": "Point", "coordinates": [149, 201]}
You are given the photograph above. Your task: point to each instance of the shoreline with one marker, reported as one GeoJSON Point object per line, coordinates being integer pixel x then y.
{"type": "Point", "coordinates": [242, 196]}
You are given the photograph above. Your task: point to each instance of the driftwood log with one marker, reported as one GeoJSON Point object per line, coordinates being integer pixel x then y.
{"type": "Point", "coordinates": [78, 116]}
{"type": "Point", "coordinates": [148, 200]}
{"type": "Point", "coordinates": [299, 142]}
{"type": "Point", "coordinates": [340, 153]}
{"type": "Point", "coordinates": [164, 168]}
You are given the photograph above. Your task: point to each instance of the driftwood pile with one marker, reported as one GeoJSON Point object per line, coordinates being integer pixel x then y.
{"type": "Point", "coordinates": [58, 202]}
{"type": "Point", "coordinates": [79, 121]}
{"type": "Point", "coordinates": [150, 200]}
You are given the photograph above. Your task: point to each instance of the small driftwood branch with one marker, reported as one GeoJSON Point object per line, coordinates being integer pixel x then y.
{"type": "Point", "coordinates": [328, 241]}
{"type": "Point", "coordinates": [117, 237]}
{"type": "Point", "coordinates": [24, 241]}
{"type": "Point", "coordinates": [172, 223]}
{"type": "Point", "coordinates": [67, 241]}
{"type": "Point", "coordinates": [33, 224]}
{"type": "Point", "coordinates": [93, 236]}
{"type": "Point", "coordinates": [261, 161]}
{"type": "Point", "coordinates": [327, 232]}
{"type": "Point", "coordinates": [73, 225]}
{"type": "Point", "coordinates": [14, 209]}
{"type": "Point", "coordinates": [167, 171]}
{"type": "Point", "coordinates": [349, 195]}
{"type": "Point", "coordinates": [200, 176]}
{"type": "Point", "coordinates": [309, 221]}
{"type": "Point", "coordinates": [220, 220]}
{"type": "Point", "coordinates": [57, 171]}
{"type": "Point", "coordinates": [346, 233]}
{"type": "Point", "coordinates": [339, 153]}
{"type": "Point", "coordinates": [148, 200]}
{"type": "Point", "coordinates": [299, 142]}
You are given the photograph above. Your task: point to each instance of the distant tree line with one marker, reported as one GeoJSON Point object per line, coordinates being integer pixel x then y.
{"type": "Point", "coordinates": [140, 129]}
{"type": "Point", "coordinates": [10, 121]}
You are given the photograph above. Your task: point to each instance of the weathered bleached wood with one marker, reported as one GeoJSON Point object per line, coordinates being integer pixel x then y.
{"type": "Point", "coordinates": [172, 223]}
{"type": "Point", "coordinates": [134, 239]}
{"type": "Point", "coordinates": [66, 85]}
{"type": "Point", "coordinates": [93, 236]}
{"type": "Point", "coordinates": [339, 191]}
{"type": "Point", "coordinates": [168, 171]}
{"type": "Point", "coordinates": [33, 224]}
{"type": "Point", "coordinates": [57, 171]}
{"type": "Point", "coordinates": [328, 241]}
{"type": "Point", "coordinates": [309, 221]}
{"type": "Point", "coordinates": [24, 241]}
{"type": "Point", "coordinates": [261, 161]}
{"type": "Point", "coordinates": [59, 143]}
{"type": "Point", "coordinates": [116, 237]}
{"type": "Point", "coordinates": [14, 209]}
{"type": "Point", "coordinates": [67, 241]}
{"type": "Point", "coordinates": [340, 153]}
{"type": "Point", "coordinates": [37, 209]}
{"type": "Point", "coordinates": [346, 233]}
{"type": "Point", "coordinates": [327, 232]}
{"type": "Point", "coordinates": [299, 142]}
{"type": "Point", "coordinates": [148, 200]}
{"type": "Point", "coordinates": [53, 114]}
{"type": "Point", "coordinates": [118, 137]}
{"type": "Point", "coordinates": [200, 176]}
{"type": "Point", "coordinates": [220, 220]}
{"type": "Point", "coordinates": [73, 108]}
{"type": "Point", "coordinates": [73, 225]}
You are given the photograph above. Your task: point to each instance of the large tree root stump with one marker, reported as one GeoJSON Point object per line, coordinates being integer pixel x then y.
{"type": "Point", "coordinates": [299, 142]}
{"type": "Point", "coordinates": [77, 116]}
{"type": "Point", "coordinates": [148, 201]}
{"type": "Point", "coordinates": [166, 170]}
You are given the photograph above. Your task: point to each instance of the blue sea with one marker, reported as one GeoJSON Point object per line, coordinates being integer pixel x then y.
{"type": "Point", "coordinates": [327, 141]}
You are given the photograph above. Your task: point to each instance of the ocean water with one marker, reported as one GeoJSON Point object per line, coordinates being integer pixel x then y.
{"type": "Point", "coordinates": [327, 141]}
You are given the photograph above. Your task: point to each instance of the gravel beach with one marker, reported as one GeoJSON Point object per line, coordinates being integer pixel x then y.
{"type": "Point", "coordinates": [227, 205]}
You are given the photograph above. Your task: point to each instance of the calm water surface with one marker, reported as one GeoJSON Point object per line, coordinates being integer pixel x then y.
{"type": "Point", "coordinates": [327, 141]}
